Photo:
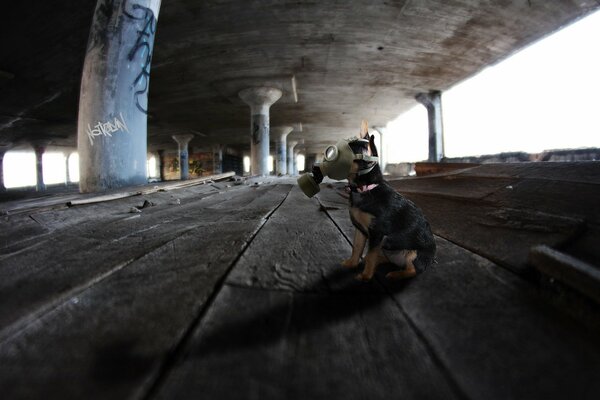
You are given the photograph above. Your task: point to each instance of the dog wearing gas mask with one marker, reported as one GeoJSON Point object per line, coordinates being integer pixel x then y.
{"type": "Point", "coordinates": [394, 228]}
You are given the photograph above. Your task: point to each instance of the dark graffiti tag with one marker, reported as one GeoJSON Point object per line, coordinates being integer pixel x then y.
{"type": "Point", "coordinates": [255, 136]}
{"type": "Point", "coordinates": [143, 44]}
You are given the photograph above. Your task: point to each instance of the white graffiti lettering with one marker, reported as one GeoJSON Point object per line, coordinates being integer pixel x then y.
{"type": "Point", "coordinates": [107, 128]}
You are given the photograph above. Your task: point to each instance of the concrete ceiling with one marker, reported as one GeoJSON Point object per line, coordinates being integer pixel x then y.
{"type": "Point", "coordinates": [349, 60]}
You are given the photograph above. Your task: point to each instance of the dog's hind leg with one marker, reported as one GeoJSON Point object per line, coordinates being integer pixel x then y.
{"type": "Point", "coordinates": [358, 246]}
{"type": "Point", "coordinates": [409, 271]}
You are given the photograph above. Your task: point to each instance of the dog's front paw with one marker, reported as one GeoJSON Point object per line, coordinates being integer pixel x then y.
{"type": "Point", "coordinates": [362, 277]}
{"type": "Point", "coordinates": [349, 263]}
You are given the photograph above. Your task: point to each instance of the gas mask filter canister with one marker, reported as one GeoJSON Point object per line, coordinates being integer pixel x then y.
{"type": "Point", "coordinates": [337, 163]}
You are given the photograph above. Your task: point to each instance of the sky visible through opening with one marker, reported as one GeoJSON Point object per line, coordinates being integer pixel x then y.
{"type": "Point", "coordinates": [544, 97]}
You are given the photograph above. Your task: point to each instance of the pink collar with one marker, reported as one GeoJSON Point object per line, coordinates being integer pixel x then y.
{"type": "Point", "coordinates": [366, 188]}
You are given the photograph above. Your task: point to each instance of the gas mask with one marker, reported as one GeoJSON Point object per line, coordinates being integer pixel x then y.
{"type": "Point", "coordinates": [337, 164]}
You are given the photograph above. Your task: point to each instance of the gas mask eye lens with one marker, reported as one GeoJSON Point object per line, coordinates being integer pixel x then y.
{"type": "Point", "coordinates": [331, 153]}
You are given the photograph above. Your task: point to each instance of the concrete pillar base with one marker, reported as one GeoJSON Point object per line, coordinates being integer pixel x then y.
{"type": "Point", "coordinates": [281, 133]}
{"type": "Point", "coordinates": [260, 100]}
{"type": "Point", "coordinates": [433, 103]}
{"type": "Point", "coordinates": [184, 167]}
{"type": "Point", "coordinates": [40, 149]}
{"type": "Point", "coordinates": [291, 167]}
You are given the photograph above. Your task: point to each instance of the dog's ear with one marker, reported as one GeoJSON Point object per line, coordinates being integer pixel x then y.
{"type": "Point", "coordinates": [372, 147]}
{"type": "Point", "coordinates": [364, 130]}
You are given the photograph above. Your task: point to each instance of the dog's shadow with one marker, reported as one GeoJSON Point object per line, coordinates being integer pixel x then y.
{"type": "Point", "coordinates": [243, 319]}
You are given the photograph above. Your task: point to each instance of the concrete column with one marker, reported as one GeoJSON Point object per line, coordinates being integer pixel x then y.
{"type": "Point", "coordinates": [310, 160]}
{"type": "Point", "coordinates": [296, 154]}
{"type": "Point", "coordinates": [161, 164]}
{"type": "Point", "coordinates": [218, 159]}
{"type": "Point", "coordinates": [260, 100]}
{"type": "Point", "coordinates": [380, 149]}
{"type": "Point", "coordinates": [39, 167]}
{"type": "Point", "coordinates": [2, 153]}
{"type": "Point", "coordinates": [433, 102]}
{"type": "Point", "coordinates": [184, 167]}
{"type": "Point", "coordinates": [281, 133]}
{"type": "Point", "coordinates": [113, 101]}
{"type": "Point", "coordinates": [290, 156]}
{"type": "Point", "coordinates": [67, 174]}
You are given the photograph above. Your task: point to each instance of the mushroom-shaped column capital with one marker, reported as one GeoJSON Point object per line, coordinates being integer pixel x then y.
{"type": "Point", "coordinates": [182, 140]}
{"type": "Point", "coordinates": [260, 99]}
{"type": "Point", "coordinates": [281, 132]}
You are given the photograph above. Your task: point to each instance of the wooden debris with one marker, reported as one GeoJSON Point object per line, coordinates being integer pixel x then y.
{"type": "Point", "coordinates": [577, 274]}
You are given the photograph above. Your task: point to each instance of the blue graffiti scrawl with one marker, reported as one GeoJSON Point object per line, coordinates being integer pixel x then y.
{"type": "Point", "coordinates": [143, 44]}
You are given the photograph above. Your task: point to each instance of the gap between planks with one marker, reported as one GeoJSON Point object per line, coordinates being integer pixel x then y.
{"type": "Point", "coordinates": [172, 358]}
{"type": "Point", "coordinates": [445, 370]}
{"type": "Point", "coordinates": [50, 305]}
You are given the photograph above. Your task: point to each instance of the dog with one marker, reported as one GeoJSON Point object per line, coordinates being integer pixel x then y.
{"type": "Point", "coordinates": [394, 228]}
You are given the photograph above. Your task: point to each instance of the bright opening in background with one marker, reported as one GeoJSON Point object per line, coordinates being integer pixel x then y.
{"type": "Point", "coordinates": [247, 164]}
{"type": "Point", "coordinates": [271, 164]}
{"type": "Point", "coordinates": [74, 167]}
{"type": "Point", "coordinates": [300, 159]}
{"type": "Point", "coordinates": [542, 98]}
{"type": "Point", "coordinates": [151, 167]}
{"type": "Point", "coordinates": [55, 168]}
{"type": "Point", "coordinates": [19, 169]}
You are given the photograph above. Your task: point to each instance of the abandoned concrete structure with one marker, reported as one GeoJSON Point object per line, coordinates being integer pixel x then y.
{"type": "Point", "coordinates": [232, 288]}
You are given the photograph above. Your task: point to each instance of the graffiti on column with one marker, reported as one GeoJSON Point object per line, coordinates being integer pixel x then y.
{"type": "Point", "coordinates": [255, 135]}
{"type": "Point", "coordinates": [143, 45]}
{"type": "Point", "coordinates": [107, 128]}
{"type": "Point", "coordinates": [259, 121]}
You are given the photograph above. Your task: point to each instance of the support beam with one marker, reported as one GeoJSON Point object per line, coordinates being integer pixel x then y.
{"type": "Point", "coordinates": [39, 149]}
{"type": "Point", "coordinates": [182, 143]}
{"type": "Point", "coordinates": [380, 148]}
{"type": "Point", "coordinates": [260, 100]}
{"type": "Point", "coordinates": [67, 173]}
{"type": "Point", "coordinates": [433, 103]}
{"type": "Point", "coordinates": [290, 156]}
{"type": "Point", "coordinates": [281, 134]}
{"type": "Point", "coordinates": [2, 153]}
{"type": "Point", "coordinates": [309, 161]}
{"type": "Point", "coordinates": [296, 154]}
{"type": "Point", "coordinates": [161, 164]}
{"type": "Point", "coordinates": [218, 159]}
{"type": "Point", "coordinates": [112, 124]}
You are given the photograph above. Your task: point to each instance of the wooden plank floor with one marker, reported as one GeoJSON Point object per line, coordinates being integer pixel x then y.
{"type": "Point", "coordinates": [238, 293]}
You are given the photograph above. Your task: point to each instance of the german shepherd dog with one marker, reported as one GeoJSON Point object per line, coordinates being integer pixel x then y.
{"type": "Point", "coordinates": [395, 228]}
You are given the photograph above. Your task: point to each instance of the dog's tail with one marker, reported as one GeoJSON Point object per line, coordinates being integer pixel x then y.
{"type": "Point", "coordinates": [425, 258]}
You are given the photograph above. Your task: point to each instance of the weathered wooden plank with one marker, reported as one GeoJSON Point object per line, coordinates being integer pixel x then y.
{"type": "Point", "coordinates": [299, 249]}
{"type": "Point", "coordinates": [581, 171]}
{"type": "Point", "coordinates": [33, 281]}
{"type": "Point", "coordinates": [453, 185]}
{"type": "Point", "coordinates": [498, 337]}
{"type": "Point", "coordinates": [19, 231]}
{"type": "Point", "coordinates": [263, 344]}
{"type": "Point", "coordinates": [111, 339]}
{"type": "Point", "coordinates": [569, 199]}
{"type": "Point", "coordinates": [501, 235]}
{"type": "Point", "coordinates": [146, 190]}
{"type": "Point", "coordinates": [575, 273]}
{"type": "Point", "coordinates": [430, 168]}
